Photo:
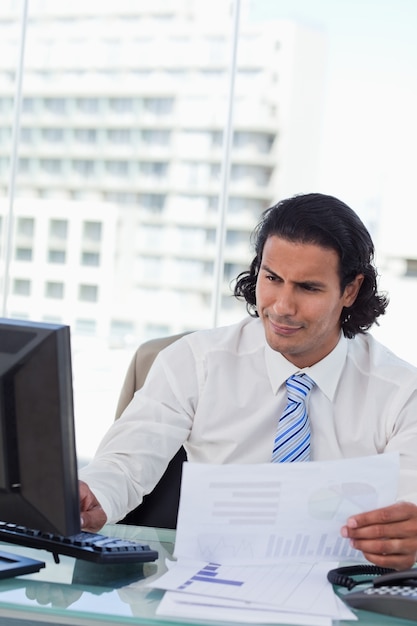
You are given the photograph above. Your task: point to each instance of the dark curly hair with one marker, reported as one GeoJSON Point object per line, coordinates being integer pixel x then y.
{"type": "Point", "coordinates": [325, 221]}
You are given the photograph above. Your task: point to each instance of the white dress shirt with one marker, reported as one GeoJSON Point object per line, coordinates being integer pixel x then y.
{"type": "Point", "coordinates": [221, 392]}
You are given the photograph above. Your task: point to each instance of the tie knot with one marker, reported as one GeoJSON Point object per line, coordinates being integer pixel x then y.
{"type": "Point", "coordinates": [299, 386]}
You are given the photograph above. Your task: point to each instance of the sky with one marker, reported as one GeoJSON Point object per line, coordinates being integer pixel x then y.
{"type": "Point", "coordinates": [369, 124]}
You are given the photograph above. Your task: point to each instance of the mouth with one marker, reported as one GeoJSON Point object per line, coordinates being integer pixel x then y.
{"type": "Point", "coordinates": [285, 330]}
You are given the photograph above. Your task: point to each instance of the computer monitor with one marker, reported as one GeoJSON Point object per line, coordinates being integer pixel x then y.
{"type": "Point", "coordinates": [38, 467]}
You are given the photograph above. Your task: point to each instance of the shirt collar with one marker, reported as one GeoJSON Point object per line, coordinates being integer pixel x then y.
{"type": "Point", "coordinates": [326, 373]}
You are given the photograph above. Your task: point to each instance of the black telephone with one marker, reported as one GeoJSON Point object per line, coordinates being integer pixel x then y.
{"type": "Point", "coordinates": [390, 592]}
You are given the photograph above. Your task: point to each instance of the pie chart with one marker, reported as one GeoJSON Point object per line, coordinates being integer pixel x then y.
{"type": "Point", "coordinates": [342, 500]}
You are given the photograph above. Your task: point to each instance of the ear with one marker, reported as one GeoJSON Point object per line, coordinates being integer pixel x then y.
{"type": "Point", "coordinates": [351, 290]}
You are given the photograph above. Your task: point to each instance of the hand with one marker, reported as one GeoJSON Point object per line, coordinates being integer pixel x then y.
{"type": "Point", "coordinates": [93, 517]}
{"type": "Point", "coordinates": [387, 537]}
{"type": "Point", "coordinates": [61, 596]}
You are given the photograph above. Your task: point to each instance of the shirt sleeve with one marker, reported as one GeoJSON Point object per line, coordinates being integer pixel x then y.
{"type": "Point", "coordinates": [136, 450]}
{"type": "Point", "coordinates": [402, 438]}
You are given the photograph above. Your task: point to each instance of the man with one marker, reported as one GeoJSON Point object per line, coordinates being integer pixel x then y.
{"type": "Point", "coordinates": [311, 292]}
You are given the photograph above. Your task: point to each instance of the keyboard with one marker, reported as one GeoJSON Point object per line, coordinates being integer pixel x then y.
{"type": "Point", "coordinates": [84, 545]}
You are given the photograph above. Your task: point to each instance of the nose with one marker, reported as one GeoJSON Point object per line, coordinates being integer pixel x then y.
{"type": "Point", "coordinates": [284, 303]}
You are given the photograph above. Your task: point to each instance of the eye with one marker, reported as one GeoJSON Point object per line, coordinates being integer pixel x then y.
{"type": "Point", "coordinates": [308, 287]}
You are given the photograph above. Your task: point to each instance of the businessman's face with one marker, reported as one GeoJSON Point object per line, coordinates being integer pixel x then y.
{"type": "Point", "coordinates": [299, 300]}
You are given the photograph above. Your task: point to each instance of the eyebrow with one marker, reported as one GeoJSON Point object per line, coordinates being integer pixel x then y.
{"type": "Point", "coordinates": [302, 283]}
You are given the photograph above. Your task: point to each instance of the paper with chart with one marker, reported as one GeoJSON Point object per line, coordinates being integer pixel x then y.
{"type": "Point", "coordinates": [297, 593]}
{"type": "Point", "coordinates": [279, 511]}
{"type": "Point", "coordinates": [269, 586]}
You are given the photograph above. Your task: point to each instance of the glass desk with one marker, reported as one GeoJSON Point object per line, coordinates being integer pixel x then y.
{"type": "Point", "coordinates": [79, 593]}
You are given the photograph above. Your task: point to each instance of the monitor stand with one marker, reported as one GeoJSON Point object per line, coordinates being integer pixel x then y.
{"type": "Point", "coordinates": [15, 565]}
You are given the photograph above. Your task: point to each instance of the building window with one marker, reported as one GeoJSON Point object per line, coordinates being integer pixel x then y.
{"type": "Point", "coordinates": [54, 290]}
{"type": "Point", "coordinates": [21, 287]}
{"type": "Point", "coordinates": [156, 137]}
{"type": "Point", "coordinates": [117, 168]}
{"type": "Point", "coordinates": [26, 135]}
{"type": "Point", "coordinates": [91, 259]}
{"type": "Point", "coordinates": [121, 197]}
{"type": "Point", "coordinates": [52, 135]}
{"type": "Point", "coordinates": [119, 135]}
{"type": "Point", "coordinates": [58, 229]}
{"type": "Point", "coordinates": [26, 226]}
{"type": "Point", "coordinates": [24, 165]}
{"type": "Point", "coordinates": [152, 201]}
{"type": "Point", "coordinates": [85, 167]}
{"type": "Point", "coordinates": [23, 254]}
{"type": "Point", "coordinates": [92, 231]}
{"type": "Point", "coordinates": [57, 256]}
{"type": "Point", "coordinates": [88, 293]}
{"type": "Point", "coordinates": [85, 135]}
{"type": "Point", "coordinates": [85, 326]}
{"type": "Point", "coordinates": [121, 328]}
{"type": "Point", "coordinates": [57, 106]}
{"type": "Point", "coordinates": [28, 105]}
{"type": "Point", "coordinates": [153, 169]}
{"type": "Point", "coordinates": [159, 106]}
{"type": "Point", "coordinates": [88, 105]}
{"type": "Point", "coordinates": [121, 105]}
{"type": "Point", "coordinates": [51, 166]}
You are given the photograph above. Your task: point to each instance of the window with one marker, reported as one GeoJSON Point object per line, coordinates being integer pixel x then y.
{"type": "Point", "coordinates": [152, 201]}
{"type": "Point", "coordinates": [85, 135]}
{"type": "Point", "coordinates": [92, 231]}
{"type": "Point", "coordinates": [54, 290]}
{"type": "Point", "coordinates": [58, 229]}
{"type": "Point", "coordinates": [26, 226]}
{"type": "Point", "coordinates": [26, 134]}
{"type": "Point", "coordinates": [51, 166]}
{"type": "Point", "coordinates": [23, 254]}
{"type": "Point", "coordinates": [57, 256]}
{"type": "Point", "coordinates": [121, 105]}
{"type": "Point", "coordinates": [159, 106]}
{"type": "Point", "coordinates": [88, 293]}
{"type": "Point", "coordinates": [119, 135]}
{"type": "Point", "coordinates": [52, 135]}
{"type": "Point", "coordinates": [24, 165]}
{"type": "Point", "coordinates": [85, 326]}
{"type": "Point", "coordinates": [123, 124]}
{"type": "Point", "coordinates": [57, 106]}
{"type": "Point", "coordinates": [87, 105]}
{"type": "Point", "coordinates": [28, 105]}
{"type": "Point", "coordinates": [84, 167]}
{"type": "Point", "coordinates": [117, 168]}
{"type": "Point", "coordinates": [6, 105]}
{"type": "Point", "coordinates": [121, 197]}
{"type": "Point", "coordinates": [91, 259]}
{"type": "Point", "coordinates": [156, 137]}
{"type": "Point", "coordinates": [121, 327]}
{"type": "Point", "coordinates": [153, 169]}
{"type": "Point", "coordinates": [21, 287]}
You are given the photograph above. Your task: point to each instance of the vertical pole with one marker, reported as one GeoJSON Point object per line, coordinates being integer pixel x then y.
{"type": "Point", "coordinates": [8, 238]}
{"type": "Point", "coordinates": [225, 170]}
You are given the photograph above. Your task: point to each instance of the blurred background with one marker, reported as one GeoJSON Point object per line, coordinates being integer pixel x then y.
{"type": "Point", "coordinates": [141, 141]}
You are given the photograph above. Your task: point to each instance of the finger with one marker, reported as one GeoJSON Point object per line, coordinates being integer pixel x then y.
{"type": "Point", "coordinates": [395, 561]}
{"type": "Point", "coordinates": [398, 530]}
{"type": "Point", "coordinates": [398, 551]}
{"type": "Point", "coordinates": [387, 515]}
{"type": "Point", "coordinates": [93, 520]}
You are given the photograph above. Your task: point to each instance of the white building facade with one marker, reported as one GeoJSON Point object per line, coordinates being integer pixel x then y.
{"type": "Point", "coordinates": [121, 149]}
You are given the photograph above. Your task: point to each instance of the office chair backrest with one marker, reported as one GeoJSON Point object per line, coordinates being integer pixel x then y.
{"type": "Point", "coordinates": [160, 507]}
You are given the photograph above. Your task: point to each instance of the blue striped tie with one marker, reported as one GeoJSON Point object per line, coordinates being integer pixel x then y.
{"type": "Point", "coordinates": [292, 441]}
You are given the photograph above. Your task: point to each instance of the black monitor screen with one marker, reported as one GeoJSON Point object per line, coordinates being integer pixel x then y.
{"type": "Point", "coordinates": [38, 467]}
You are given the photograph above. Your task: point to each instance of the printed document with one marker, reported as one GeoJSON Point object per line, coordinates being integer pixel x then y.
{"type": "Point", "coordinates": [255, 542]}
{"type": "Point", "coordinates": [279, 511]}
